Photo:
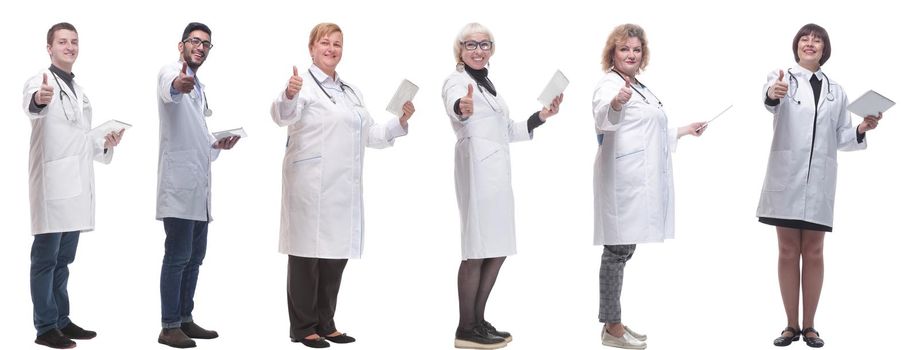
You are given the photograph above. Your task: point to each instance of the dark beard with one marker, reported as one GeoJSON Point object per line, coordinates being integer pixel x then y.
{"type": "Point", "coordinates": [186, 56]}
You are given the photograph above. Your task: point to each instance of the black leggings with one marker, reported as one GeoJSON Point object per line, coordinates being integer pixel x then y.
{"type": "Point", "coordinates": [476, 279]}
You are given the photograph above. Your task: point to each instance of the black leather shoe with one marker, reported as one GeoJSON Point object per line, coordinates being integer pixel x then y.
{"type": "Point", "coordinates": [54, 339]}
{"type": "Point", "coordinates": [342, 338]}
{"type": "Point", "coordinates": [312, 343]}
{"type": "Point", "coordinates": [493, 331]}
{"type": "Point", "coordinates": [813, 342]}
{"type": "Point", "coordinates": [175, 338]}
{"type": "Point", "coordinates": [785, 341]}
{"type": "Point", "coordinates": [478, 338]}
{"type": "Point", "coordinates": [192, 330]}
{"type": "Point", "coordinates": [73, 331]}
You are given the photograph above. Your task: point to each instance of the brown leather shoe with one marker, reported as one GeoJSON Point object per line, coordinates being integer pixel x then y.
{"type": "Point", "coordinates": [192, 330]}
{"type": "Point", "coordinates": [73, 331]}
{"type": "Point", "coordinates": [175, 338]}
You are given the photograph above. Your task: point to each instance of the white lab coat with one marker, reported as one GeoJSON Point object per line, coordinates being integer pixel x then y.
{"type": "Point", "coordinates": [797, 188]}
{"type": "Point", "coordinates": [322, 193]}
{"type": "Point", "coordinates": [632, 176]}
{"type": "Point", "coordinates": [61, 179]}
{"type": "Point", "coordinates": [482, 170]}
{"type": "Point", "coordinates": [185, 151]}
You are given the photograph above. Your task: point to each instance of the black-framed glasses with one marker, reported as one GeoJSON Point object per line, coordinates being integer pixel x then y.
{"type": "Point", "coordinates": [195, 42]}
{"type": "Point", "coordinates": [485, 45]}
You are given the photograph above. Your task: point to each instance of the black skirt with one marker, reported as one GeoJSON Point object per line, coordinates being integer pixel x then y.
{"type": "Point", "coordinates": [797, 224]}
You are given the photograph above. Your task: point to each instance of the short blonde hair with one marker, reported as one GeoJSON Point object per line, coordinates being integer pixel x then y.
{"type": "Point", "coordinates": [619, 35]}
{"type": "Point", "coordinates": [321, 30]}
{"type": "Point", "coordinates": [469, 29]}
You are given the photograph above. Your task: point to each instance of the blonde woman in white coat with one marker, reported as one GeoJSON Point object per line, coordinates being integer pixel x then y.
{"type": "Point", "coordinates": [798, 196]}
{"type": "Point", "coordinates": [61, 183]}
{"type": "Point", "coordinates": [480, 118]}
{"type": "Point", "coordinates": [328, 128]}
{"type": "Point", "coordinates": [632, 176]}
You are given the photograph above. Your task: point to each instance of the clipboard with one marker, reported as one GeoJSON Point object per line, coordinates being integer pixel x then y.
{"type": "Point", "coordinates": [107, 128]}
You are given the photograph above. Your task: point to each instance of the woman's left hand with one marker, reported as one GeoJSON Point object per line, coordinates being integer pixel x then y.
{"type": "Point", "coordinates": [870, 122]}
{"type": "Point", "coordinates": [694, 129]}
{"type": "Point", "coordinates": [552, 109]}
{"type": "Point", "coordinates": [407, 111]}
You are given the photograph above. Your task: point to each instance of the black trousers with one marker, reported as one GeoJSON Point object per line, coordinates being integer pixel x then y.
{"type": "Point", "coordinates": [312, 294]}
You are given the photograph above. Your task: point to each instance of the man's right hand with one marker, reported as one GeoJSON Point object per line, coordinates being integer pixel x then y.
{"type": "Point", "coordinates": [45, 93]}
{"type": "Point", "coordinates": [183, 83]}
{"type": "Point", "coordinates": [294, 85]}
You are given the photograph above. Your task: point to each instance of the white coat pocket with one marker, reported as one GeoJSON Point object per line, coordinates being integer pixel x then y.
{"type": "Point", "coordinates": [630, 170]}
{"type": "Point", "coordinates": [62, 178]}
{"type": "Point", "coordinates": [179, 172]}
{"type": "Point", "coordinates": [779, 163]}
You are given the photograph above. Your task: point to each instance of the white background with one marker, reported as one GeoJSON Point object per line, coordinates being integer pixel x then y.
{"type": "Point", "coordinates": [715, 286]}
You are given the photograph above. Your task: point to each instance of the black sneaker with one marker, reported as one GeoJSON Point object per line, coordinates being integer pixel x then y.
{"type": "Point", "coordinates": [493, 331]}
{"type": "Point", "coordinates": [73, 331]}
{"type": "Point", "coordinates": [478, 338]}
{"type": "Point", "coordinates": [192, 330]}
{"type": "Point", "coordinates": [54, 339]}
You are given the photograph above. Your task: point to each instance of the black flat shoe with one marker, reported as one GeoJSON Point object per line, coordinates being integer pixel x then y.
{"type": "Point", "coordinates": [54, 339]}
{"type": "Point", "coordinates": [73, 331]}
{"type": "Point", "coordinates": [342, 338]}
{"type": "Point", "coordinates": [312, 343]}
{"type": "Point", "coordinates": [813, 342]}
{"type": "Point", "coordinates": [785, 341]}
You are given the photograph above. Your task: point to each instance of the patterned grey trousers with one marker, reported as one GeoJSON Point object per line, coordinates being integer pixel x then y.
{"type": "Point", "coordinates": [611, 275]}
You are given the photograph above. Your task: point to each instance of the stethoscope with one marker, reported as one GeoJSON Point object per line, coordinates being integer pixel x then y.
{"type": "Point", "coordinates": [61, 93]}
{"type": "Point", "coordinates": [829, 95]}
{"type": "Point", "coordinates": [358, 103]}
{"type": "Point", "coordinates": [207, 111]}
{"type": "Point", "coordinates": [639, 92]}
{"type": "Point", "coordinates": [485, 95]}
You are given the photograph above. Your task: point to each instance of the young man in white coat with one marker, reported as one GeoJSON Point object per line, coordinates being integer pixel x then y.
{"type": "Point", "coordinates": [186, 149]}
{"type": "Point", "coordinates": [61, 184]}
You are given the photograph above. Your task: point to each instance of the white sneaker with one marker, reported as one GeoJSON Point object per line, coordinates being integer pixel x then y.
{"type": "Point", "coordinates": [626, 341]}
{"type": "Point", "coordinates": [636, 335]}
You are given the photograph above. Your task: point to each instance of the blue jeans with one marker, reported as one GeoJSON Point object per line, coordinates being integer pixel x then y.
{"type": "Point", "coordinates": [48, 275]}
{"type": "Point", "coordinates": [186, 243]}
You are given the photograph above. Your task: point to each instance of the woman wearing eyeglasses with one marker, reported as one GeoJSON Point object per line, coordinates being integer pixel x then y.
{"type": "Point", "coordinates": [811, 124]}
{"type": "Point", "coordinates": [632, 176]}
{"type": "Point", "coordinates": [480, 118]}
{"type": "Point", "coordinates": [328, 128]}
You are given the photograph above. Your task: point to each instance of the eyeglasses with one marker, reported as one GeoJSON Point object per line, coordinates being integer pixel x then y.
{"type": "Point", "coordinates": [485, 45]}
{"type": "Point", "coordinates": [195, 42]}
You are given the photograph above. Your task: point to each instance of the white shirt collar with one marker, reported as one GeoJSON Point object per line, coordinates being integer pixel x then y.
{"type": "Point", "coordinates": [807, 74]}
{"type": "Point", "coordinates": [322, 77]}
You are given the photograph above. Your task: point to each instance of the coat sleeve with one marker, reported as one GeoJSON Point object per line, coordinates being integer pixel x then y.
{"type": "Point", "coordinates": [454, 88]}
{"type": "Point", "coordinates": [607, 119]}
{"type": "Point", "coordinates": [99, 153]}
{"type": "Point", "coordinates": [164, 88]}
{"type": "Point", "coordinates": [31, 86]}
{"type": "Point", "coordinates": [518, 131]}
{"type": "Point", "coordinates": [846, 134]}
{"type": "Point", "coordinates": [286, 111]}
{"type": "Point", "coordinates": [382, 135]}
{"type": "Point", "coordinates": [772, 78]}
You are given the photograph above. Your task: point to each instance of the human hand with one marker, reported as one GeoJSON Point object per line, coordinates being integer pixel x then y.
{"type": "Point", "coordinates": [113, 139]}
{"type": "Point", "coordinates": [869, 123]}
{"type": "Point", "coordinates": [294, 85]}
{"type": "Point", "coordinates": [45, 92]}
{"type": "Point", "coordinates": [465, 104]}
{"type": "Point", "coordinates": [552, 109]}
{"type": "Point", "coordinates": [407, 111]}
{"type": "Point", "coordinates": [623, 96]}
{"type": "Point", "coordinates": [226, 142]}
{"type": "Point", "coordinates": [778, 90]}
{"type": "Point", "coordinates": [183, 83]}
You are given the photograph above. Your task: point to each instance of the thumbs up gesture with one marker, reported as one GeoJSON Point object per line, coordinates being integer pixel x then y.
{"type": "Point", "coordinates": [184, 83]}
{"type": "Point", "coordinates": [623, 96]}
{"type": "Point", "coordinates": [778, 90]}
{"type": "Point", "coordinates": [465, 104]}
{"type": "Point", "coordinates": [294, 85]}
{"type": "Point", "coordinates": [44, 94]}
